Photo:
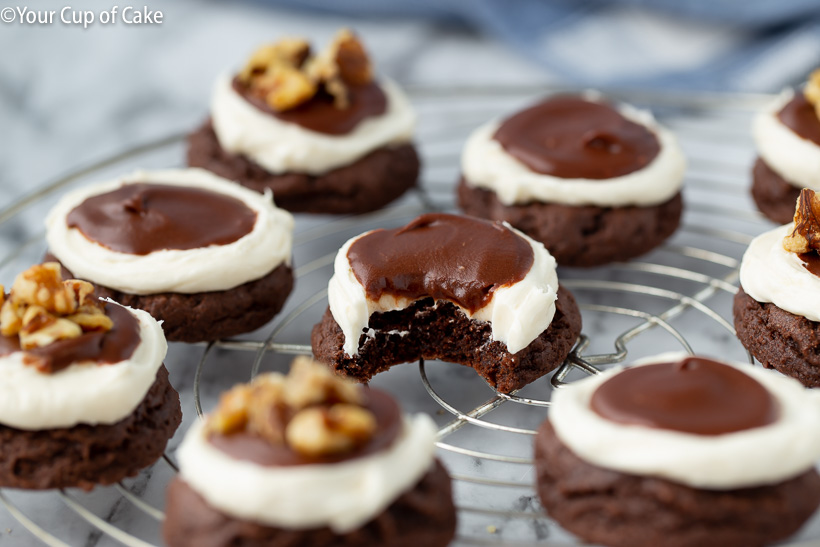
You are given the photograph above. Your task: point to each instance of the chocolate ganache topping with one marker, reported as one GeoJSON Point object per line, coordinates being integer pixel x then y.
{"type": "Point", "coordinates": [695, 395]}
{"type": "Point", "coordinates": [320, 113]}
{"type": "Point", "coordinates": [249, 447]}
{"type": "Point", "coordinates": [800, 116]}
{"type": "Point", "coordinates": [113, 346]}
{"type": "Point", "coordinates": [571, 137]}
{"type": "Point", "coordinates": [142, 218]}
{"type": "Point", "coordinates": [446, 257]}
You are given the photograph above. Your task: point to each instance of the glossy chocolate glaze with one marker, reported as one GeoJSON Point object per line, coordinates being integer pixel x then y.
{"type": "Point", "coordinates": [695, 395]}
{"type": "Point", "coordinates": [800, 116]}
{"type": "Point", "coordinates": [245, 446]}
{"type": "Point", "coordinates": [113, 346]}
{"type": "Point", "coordinates": [446, 257]}
{"type": "Point", "coordinates": [319, 113]}
{"type": "Point", "coordinates": [811, 261]}
{"type": "Point", "coordinates": [570, 137]}
{"type": "Point", "coordinates": [142, 218]}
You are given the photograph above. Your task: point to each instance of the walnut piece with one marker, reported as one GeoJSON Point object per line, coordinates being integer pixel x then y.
{"type": "Point", "coordinates": [285, 74]}
{"type": "Point", "coordinates": [309, 384]}
{"type": "Point", "coordinates": [288, 51]}
{"type": "Point", "coordinates": [285, 87]}
{"type": "Point", "coordinates": [812, 90]}
{"type": "Point", "coordinates": [43, 286]}
{"type": "Point", "coordinates": [40, 328]}
{"type": "Point", "coordinates": [318, 431]}
{"type": "Point", "coordinates": [351, 58]}
{"type": "Point", "coordinates": [42, 308]}
{"type": "Point", "coordinates": [805, 236]}
{"type": "Point", "coordinates": [311, 410]}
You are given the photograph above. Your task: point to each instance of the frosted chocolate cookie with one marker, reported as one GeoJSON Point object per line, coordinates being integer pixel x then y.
{"type": "Point", "coordinates": [309, 459]}
{"type": "Point", "coordinates": [447, 287]}
{"type": "Point", "coordinates": [787, 135]}
{"type": "Point", "coordinates": [593, 182]}
{"type": "Point", "coordinates": [207, 257]}
{"type": "Point", "coordinates": [320, 130]}
{"type": "Point", "coordinates": [85, 398]}
{"type": "Point", "coordinates": [777, 308]}
{"type": "Point", "coordinates": [682, 452]}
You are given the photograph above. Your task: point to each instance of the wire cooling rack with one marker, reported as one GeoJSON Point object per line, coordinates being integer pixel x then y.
{"type": "Point", "coordinates": [676, 298]}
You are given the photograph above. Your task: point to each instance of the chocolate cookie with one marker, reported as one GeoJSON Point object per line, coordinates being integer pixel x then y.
{"type": "Point", "coordinates": [580, 235]}
{"type": "Point", "coordinates": [356, 188]}
{"type": "Point", "coordinates": [442, 331]}
{"type": "Point", "coordinates": [773, 195]}
{"type": "Point", "coordinates": [778, 339]}
{"type": "Point", "coordinates": [424, 515]}
{"type": "Point", "coordinates": [86, 455]}
{"type": "Point", "coordinates": [208, 316]}
{"type": "Point", "coordinates": [618, 509]}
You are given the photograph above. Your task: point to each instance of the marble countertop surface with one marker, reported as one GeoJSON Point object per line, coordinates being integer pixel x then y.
{"type": "Point", "coordinates": [71, 96]}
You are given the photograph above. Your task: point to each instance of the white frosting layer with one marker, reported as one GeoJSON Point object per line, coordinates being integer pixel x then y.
{"type": "Point", "coordinates": [791, 156]}
{"type": "Point", "coordinates": [518, 313]}
{"type": "Point", "coordinates": [85, 392]}
{"type": "Point", "coordinates": [763, 455]}
{"type": "Point", "coordinates": [282, 147]}
{"type": "Point", "coordinates": [769, 273]}
{"type": "Point", "coordinates": [213, 268]}
{"type": "Point", "coordinates": [485, 164]}
{"type": "Point", "coordinates": [342, 496]}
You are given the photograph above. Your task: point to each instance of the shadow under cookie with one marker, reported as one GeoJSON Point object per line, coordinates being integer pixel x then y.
{"type": "Point", "coordinates": [431, 330]}
{"type": "Point", "coordinates": [774, 196]}
{"type": "Point", "coordinates": [581, 236]}
{"type": "Point", "coordinates": [84, 456]}
{"type": "Point", "coordinates": [367, 184]}
{"type": "Point", "coordinates": [778, 339]}
{"type": "Point", "coordinates": [622, 510]}
{"type": "Point", "coordinates": [423, 515]}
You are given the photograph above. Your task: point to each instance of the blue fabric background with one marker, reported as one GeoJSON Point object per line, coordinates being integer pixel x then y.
{"type": "Point", "coordinates": [778, 37]}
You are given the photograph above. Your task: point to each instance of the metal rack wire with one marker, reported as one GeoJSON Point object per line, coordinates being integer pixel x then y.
{"type": "Point", "coordinates": [676, 297]}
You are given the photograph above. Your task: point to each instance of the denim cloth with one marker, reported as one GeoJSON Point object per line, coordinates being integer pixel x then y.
{"type": "Point", "coordinates": [743, 45]}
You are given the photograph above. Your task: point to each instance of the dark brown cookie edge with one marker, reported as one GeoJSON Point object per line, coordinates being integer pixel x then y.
{"type": "Point", "coordinates": [580, 236]}
{"type": "Point", "coordinates": [621, 510]}
{"type": "Point", "coordinates": [208, 316]}
{"type": "Point", "coordinates": [424, 515]}
{"type": "Point", "coordinates": [86, 455]}
{"type": "Point", "coordinates": [773, 196]}
{"type": "Point", "coordinates": [367, 184]}
{"type": "Point", "coordinates": [780, 340]}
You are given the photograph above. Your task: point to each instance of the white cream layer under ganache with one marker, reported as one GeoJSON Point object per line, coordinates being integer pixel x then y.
{"type": "Point", "coordinates": [795, 159]}
{"type": "Point", "coordinates": [759, 456]}
{"type": "Point", "coordinates": [518, 313]}
{"type": "Point", "coordinates": [85, 392]}
{"type": "Point", "coordinates": [343, 495]}
{"type": "Point", "coordinates": [282, 147]}
{"type": "Point", "coordinates": [769, 273]}
{"type": "Point", "coordinates": [485, 164]}
{"type": "Point", "coordinates": [212, 268]}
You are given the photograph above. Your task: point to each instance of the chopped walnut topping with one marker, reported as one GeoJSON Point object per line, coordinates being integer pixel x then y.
{"type": "Point", "coordinates": [285, 74]}
{"type": "Point", "coordinates": [316, 431]}
{"type": "Point", "coordinates": [812, 90]}
{"type": "Point", "coordinates": [805, 236]}
{"type": "Point", "coordinates": [311, 410]}
{"type": "Point", "coordinates": [41, 308]}
{"type": "Point", "coordinates": [290, 52]}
